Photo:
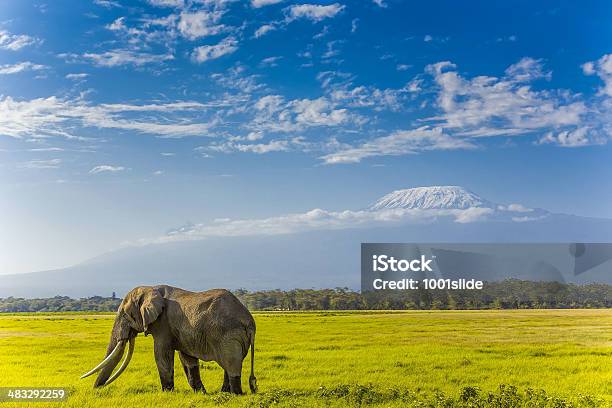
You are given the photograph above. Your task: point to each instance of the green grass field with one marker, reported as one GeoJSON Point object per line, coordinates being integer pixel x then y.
{"type": "Point", "coordinates": [418, 358]}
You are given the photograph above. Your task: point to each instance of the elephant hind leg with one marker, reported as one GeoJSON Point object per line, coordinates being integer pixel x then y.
{"type": "Point", "coordinates": [192, 371]}
{"type": "Point", "coordinates": [231, 362]}
{"type": "Point", "coordinates": [233, 374]}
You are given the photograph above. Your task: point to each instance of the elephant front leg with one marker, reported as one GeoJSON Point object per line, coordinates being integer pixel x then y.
{"type": "Point", "coordinates": [236, 385]}
{"type": "Point", "coordinates": [231, 383]}
{"type": "Point", "coordinates": [164, 358]}
{"type": "Point", "coordinates": [192, 371]}
{"type": "Point", "coordinates": [226, 383]}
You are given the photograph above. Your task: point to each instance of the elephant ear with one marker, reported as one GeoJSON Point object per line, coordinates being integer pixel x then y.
{"type": "Point", "coordinates": [152, 304]}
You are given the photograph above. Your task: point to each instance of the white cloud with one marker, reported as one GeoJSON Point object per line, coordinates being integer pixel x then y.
{"type": "Point", "coordinates": [41, 164]}
{"type": "Point", "coordinates": [332, 49]}
{"type": "Point", "coordinates": [236, 78]}
{"type": "Point", "coordinates": [572, 138]}
{"type": "Point", "coordinates": [254, 136]}
{"type": "Point", "coordinates": [9, 69]}
{"type": "Point", "coordinates": [15, 42]}
{"type": "Point", "coordinates": [168, 22]}
{"type": "Point", "coordinates": [369, 97]}
{"type": "Point", "coordinates": [117, 25]}
{"type": "Point", "coordinates": [380, 3]}
{"type": "Point", "coordinates": [516, 208]}
{"type": "Point", "coordinates": [428, 38]}
{"type": "Point", "coordinates": [414, 85]}
{"type": "Point", "coordinates": [340, 89]}
{"type": "Point", "coordinates": [273, 113]}
{"type": "Point", "coordinates": [147, 33]}
{"type": "Point", "coordinates": [318, 219]}
{"type": "Point", "coordinates": [270, 61]}
{"type": "Point", "coordinates": [193, 19]}
{"type": "Point", "coordinates": [114, 58]}
{"type": "Point", "coordinates": [399, 143]}
{"type": "Point", "coordinates": [603, 69]}
{"type": "Point", "coordinates": [167, 3]}
{"type": "Point", "coordinates": [526, 218]}
{"type": "Point", "coordinates": [106, 168]}
{"type": "Point", "coordinates": [270, 104]}
{"type": "Point", "coordinates": [159, 107]}
{"type": "Point", "coordinates": [262, 3]}
{"type": "Point", "coordinates": [324, 32]}
{"type": "Point", "coordinates": [200, 24]}
{"type": "Point", "coordinates": [258, 148]}
{"type": "Point", "coordinates": [52, 116]}
{"type": "Point", "coordinates": [314, 12]}
{"type": "Point", "coordinates": [511, 38]}
{"type": "Point", "coordinates": [107, 3]}
{"type": "Point", "coordinates": [263, 30]}
{"type": "Point", "coordinates": [47, 149]}
{"type": "Point", "coordinates": [527, 70]}
{"type": "Point", "coordinates": [215, 4]}
{"type": "Point", "coordinates": [318, 112]}
{"type": "Point", "coordinates": [588, 68]}
{"type": "Point", "coordinates": [491, 106]}
{"type": "Point", "coordinates": [208, 52]}
{"type": "Point", "coordinates": [465, 107]}
{"type": "Point", "coordinates": [77, 77]}
{"type": "Point", "coordinates": [30, 118]}
{"type": "Point", "coordinates": [472, 214]}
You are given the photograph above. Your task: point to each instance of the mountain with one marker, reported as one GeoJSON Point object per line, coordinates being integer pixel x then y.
{"type": "Point", "coordinates": [455, 198]}
{"type": "Point", "coordinates": [435, 197]}
{"type": "Point", "coordinates": [324, 256]}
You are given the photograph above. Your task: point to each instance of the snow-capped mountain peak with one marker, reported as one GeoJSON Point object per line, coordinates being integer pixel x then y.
{"type": "Point", "coordinates": [433, 197]}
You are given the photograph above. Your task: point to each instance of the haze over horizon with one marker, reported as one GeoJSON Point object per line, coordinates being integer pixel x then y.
{"type": "Point", "coordinates": [403, 214]}
{"type": "Point", "coordinates": [121, 121]}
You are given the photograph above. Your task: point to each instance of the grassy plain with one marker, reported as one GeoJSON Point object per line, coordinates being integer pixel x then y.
{"type": "Point", "coordinates": [417, 358]}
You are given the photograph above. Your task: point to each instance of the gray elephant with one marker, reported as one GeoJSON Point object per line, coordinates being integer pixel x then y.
{"type": "Point", "coordinates": [210, 326]}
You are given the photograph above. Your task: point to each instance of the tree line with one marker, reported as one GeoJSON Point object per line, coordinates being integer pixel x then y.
{"type": "Point", "coordinates": [509, 294]}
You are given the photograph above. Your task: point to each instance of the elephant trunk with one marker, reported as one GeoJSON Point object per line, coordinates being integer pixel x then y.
{"type": "Point", "coordinates": [119, 338]}
{"type": "Point", "coordinates": [106, 370]}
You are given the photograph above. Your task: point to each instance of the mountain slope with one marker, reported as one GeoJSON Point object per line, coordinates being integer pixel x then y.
{"type": "Point", "coordinates": [320, 259]}
{"type": "Point", "coordinates": [323, 258]}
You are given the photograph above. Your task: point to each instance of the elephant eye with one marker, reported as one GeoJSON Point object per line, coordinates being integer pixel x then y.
{"type": "Point", "coordinates": [127, 317]}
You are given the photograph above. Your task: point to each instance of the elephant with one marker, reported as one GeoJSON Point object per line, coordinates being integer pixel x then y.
{"type": "Point", "coordinates": [210, 326]}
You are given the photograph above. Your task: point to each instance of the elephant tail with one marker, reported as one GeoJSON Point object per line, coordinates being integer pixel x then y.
{"type": "Point", "coordinates": [252, 379]}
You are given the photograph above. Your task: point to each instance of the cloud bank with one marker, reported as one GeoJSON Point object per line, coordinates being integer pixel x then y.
{"type": "Point", "coordinates": [317, 219]}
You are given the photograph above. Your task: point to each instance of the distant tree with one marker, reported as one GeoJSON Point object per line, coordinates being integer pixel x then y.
{"type": "Point", "coordinates": [509, 294]}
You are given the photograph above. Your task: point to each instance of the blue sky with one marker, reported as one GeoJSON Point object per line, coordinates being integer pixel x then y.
{"type": "Point", "coordinates": [120, 120]}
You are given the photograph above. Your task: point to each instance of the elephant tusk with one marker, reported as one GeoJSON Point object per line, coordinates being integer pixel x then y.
{"type": "Point", "coordinates": [118, 349]}
{"type": "Point", "coordinates": [124, 364]}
